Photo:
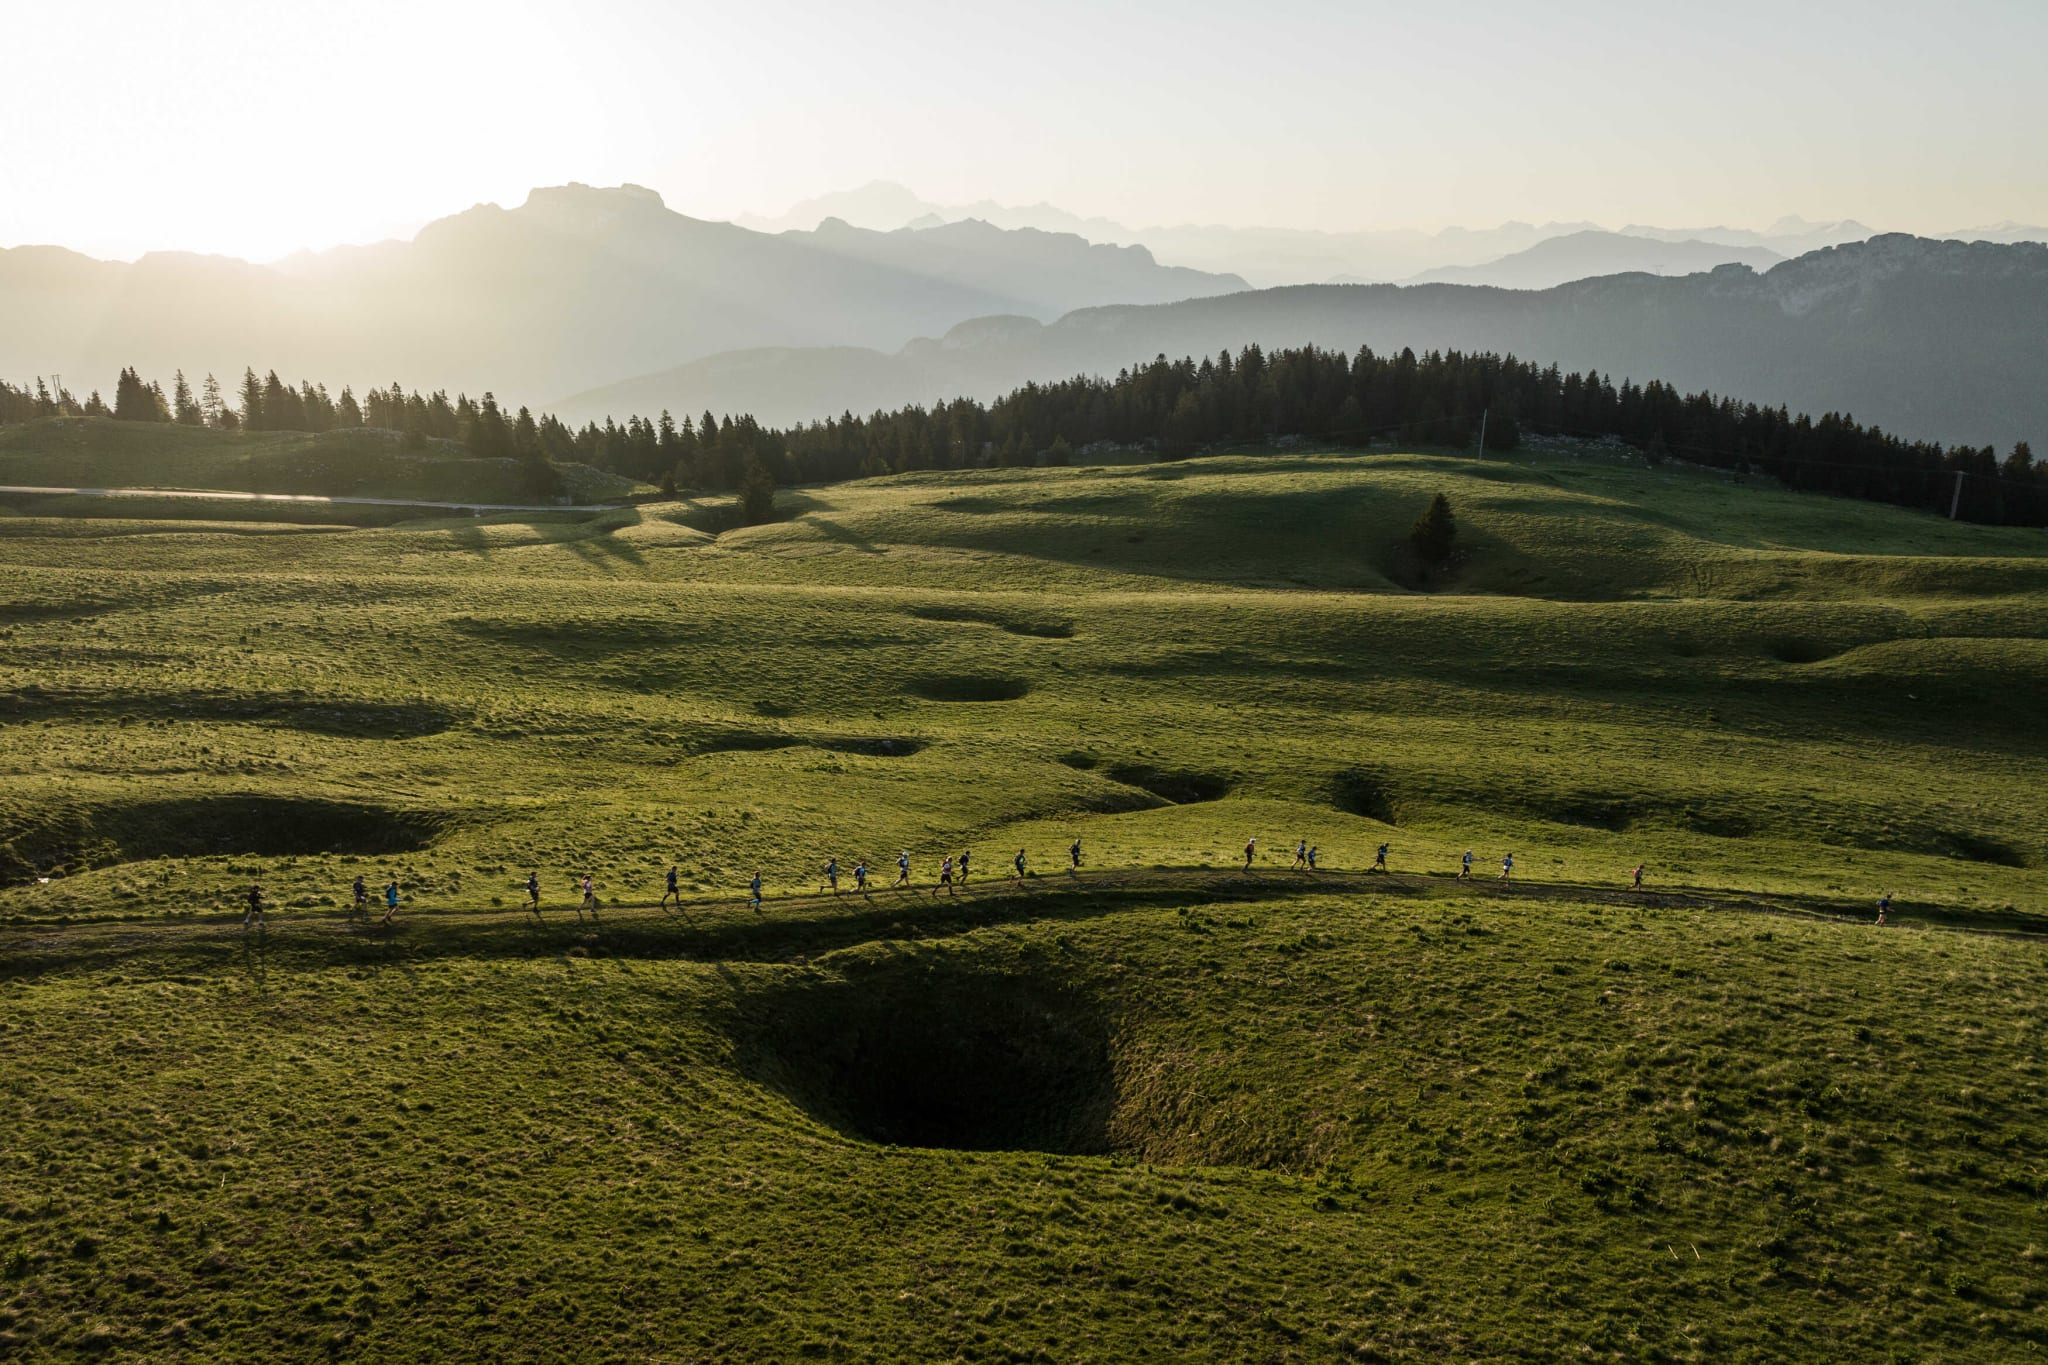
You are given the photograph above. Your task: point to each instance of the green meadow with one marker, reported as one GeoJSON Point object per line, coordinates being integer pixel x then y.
{"type": "Point", "coordinates": [1162, 1109]}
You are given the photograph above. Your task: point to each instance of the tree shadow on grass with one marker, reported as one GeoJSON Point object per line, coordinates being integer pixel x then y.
{"type": "Point", "coordinates": [840, 535]}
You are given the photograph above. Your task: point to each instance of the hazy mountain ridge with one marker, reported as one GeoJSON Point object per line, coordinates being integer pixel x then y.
{"type": "Point", "coordinates": [574, 287]}
{"type": "Point", "coordinates": [1581, 255]}
{"type": "Point", "coordinates": [1060, 269]}
{"type": "Point", "coordinates": [1266, 256]}
{"type": "Point", "coordinates": [1943, 340]}
{"type": "Point", "coordinates": [1270, 257]}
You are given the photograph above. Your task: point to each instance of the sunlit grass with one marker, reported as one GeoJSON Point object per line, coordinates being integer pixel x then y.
{"type": "Point", "coordinates": [1413, 1121]}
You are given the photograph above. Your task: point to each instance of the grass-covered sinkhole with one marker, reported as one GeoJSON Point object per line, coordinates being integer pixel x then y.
{"type": "Point", "coordinates": [337, 716]}
{"type": "Point", "coordinates": [937, 1053]}
{"type": "Point", "coordinates": [1176, 786]}
{"type": "Point", "coordinates": [969, 687]}
{"type": "Point", "coordinates": [69, 837]}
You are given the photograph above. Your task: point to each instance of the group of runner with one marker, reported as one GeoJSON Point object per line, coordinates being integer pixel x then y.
{"type": "Point", "coordinates": [952, 875]}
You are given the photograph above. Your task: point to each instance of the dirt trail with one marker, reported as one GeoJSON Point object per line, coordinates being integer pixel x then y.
{"type": "Point", "coordinates": [807, 924]}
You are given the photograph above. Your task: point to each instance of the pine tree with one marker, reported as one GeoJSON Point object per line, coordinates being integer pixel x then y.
{"type": "Point", "coordinates": [489, 437]}
{"type": "Point", "coordinates": [1435, 534]}
{"type": "Point", "coordinates": [347, 412]}
{"type": "Point", "coordinates": [211, 409]}
{"type": "Point", "coordinates": [133, 401]}
{"type": "Point", "coordinates": [757, 493]}
{"type": "Point", "coordinates": [252, 402]}
{"type": "Point", "coordinates": [282, 408]}
{"type": "Point", "coordinates": [184, 408]}
{"type": "Point", "coordinates": [1182, 431]}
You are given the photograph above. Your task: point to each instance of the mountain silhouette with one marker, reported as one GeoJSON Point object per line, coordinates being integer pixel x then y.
{"type": "Point", "coordinates": [1583, 255]}
{"type": "Point", "coordinates": [574, 287]}
{"type": "Point", "coordinates": [1935, 339]}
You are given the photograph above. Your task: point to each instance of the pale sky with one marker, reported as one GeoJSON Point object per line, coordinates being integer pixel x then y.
{"type": "Point", "coordinates": [258, 128]}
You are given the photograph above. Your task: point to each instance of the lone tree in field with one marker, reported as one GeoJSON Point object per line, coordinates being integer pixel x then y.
{"type": "Point", "coordinates": [757, 493]}
{"type": "Point", "coordinates": [1436, 532]}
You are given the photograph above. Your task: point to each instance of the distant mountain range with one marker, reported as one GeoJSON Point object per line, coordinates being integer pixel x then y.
{"type": "Point", "coordinates": [1937, 339]}
{"type": "Point", "coordinates": [1265, 256]}
{"type": "Point", "coordinates": [579, 286]}
{"type": "Point", "coordinates": [1277, 256]}
{"type": "Point", "coordinates": [1583, 255]}
{"type": "Point", "coordinates": [575, 287]}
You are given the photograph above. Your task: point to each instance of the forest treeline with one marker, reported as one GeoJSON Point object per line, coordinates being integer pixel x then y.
{"type": "Point", "coordinates": [1172, 407]}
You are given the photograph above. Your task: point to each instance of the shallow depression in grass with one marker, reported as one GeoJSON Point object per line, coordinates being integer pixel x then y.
{"type": "Point", "coordinates": [1180, 786]}
{"type": "Point", "coordinates": [63, 837]}
{"type": "Point", "coordinates": [969, 687]}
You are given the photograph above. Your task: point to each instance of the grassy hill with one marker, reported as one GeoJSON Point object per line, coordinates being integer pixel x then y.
{"type": "Point", "coordinates": [95, 452]}
{"type": "Point", "coordinates": [1161, 1109]}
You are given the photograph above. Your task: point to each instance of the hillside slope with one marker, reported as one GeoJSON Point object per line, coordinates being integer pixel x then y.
{"type": "Point", "coordinates": [1939, 340]}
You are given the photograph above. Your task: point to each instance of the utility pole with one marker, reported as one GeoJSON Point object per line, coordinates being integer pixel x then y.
{"type": "Point", "coordinates": [1956, 501]}
{"type": "Point", "coordinates": [1482, 433]}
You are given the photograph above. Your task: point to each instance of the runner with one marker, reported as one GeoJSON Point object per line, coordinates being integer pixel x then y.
{"type": "Point", "coordinates": [1884, 906]}
{"type": "Point", "coordinates": [1250, 846]}
{"type": "Point", "coordinates": [902, 870]}
{"type": "Point", "coordinates": [1301, 854]}
{"type": "Point", "coordinates": [390, 900]}
{"type": "Point", "coordinates": [1311, 857]}
{"type": "Point", "coordinates": [754, 886]}
{"type": "Point", "coordinates": [1507, 867]}
{"type": "Point", "coordinates": [1636, 878]}
{"type": "Point", "coordinates": [255, 910]}
{"type": "Point", "coordinates": [945, 878]}
{"type": "Point", "coordinates": [831, 881]}
{"type": "Point", "coordinates": [1465, 870]}
{"type": "Point", "coordinates": [1074, 855]}
{"type": "Point", "coordinates": [361, 903]}
{"type": "Point", "coordinates": [860, 876]}
{"type": "Point", "coordinates": [533, 893]}
{"type": "Point", "coordinates": [1379, 860]}
{"type": "Point", "coordinates": [963, 865]}
{"type": "Point", "coordinates": [1018, 863]}
{"type": "Point", "coordinates": [589, 899]}
{"type": "Point", "coordinates": [674, 892]}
